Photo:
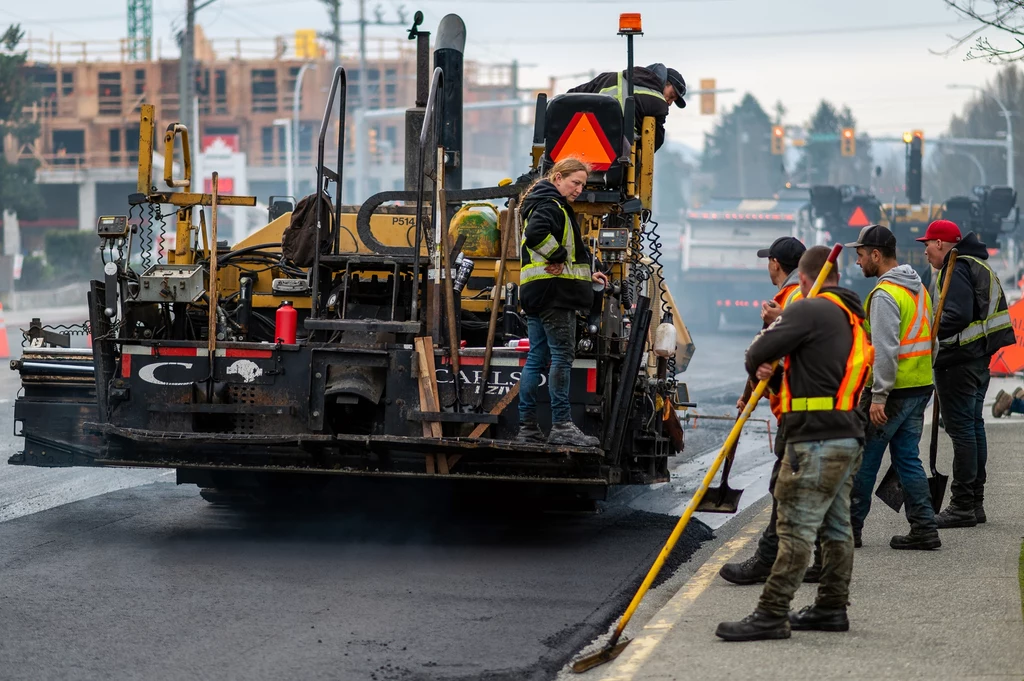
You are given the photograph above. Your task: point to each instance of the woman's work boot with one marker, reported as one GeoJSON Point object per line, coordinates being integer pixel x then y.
{"type": "Point", "coordinates": [530, 433]}
{"type": "Point", "coordinates": [566, 433]}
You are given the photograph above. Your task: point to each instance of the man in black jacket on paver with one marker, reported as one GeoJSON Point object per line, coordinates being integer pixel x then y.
{"type": "Point", "coordinates": [975, 324]}
{"type": "Point", "coordinates": [827, 356]}
{"type": "Point", "coordinates": [654, 88]}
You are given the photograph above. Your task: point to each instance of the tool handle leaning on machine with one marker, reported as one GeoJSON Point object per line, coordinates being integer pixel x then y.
{"type": "Point", "coordinates": [613, 648]}
{"type": "Point", "coordinates": [933, 446]}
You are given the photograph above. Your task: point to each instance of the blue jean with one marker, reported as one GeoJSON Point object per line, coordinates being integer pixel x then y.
{"type": "Point", "coordinates": [902, 434]}
{"type": "Point", "coordinates": [961, 389]}
{"type": "Point", "coordinates": [1017, 406]}
{"type": "Point", "coordinates": [552, 336]}
{"type": "Point", "coordinates": [813, 491]}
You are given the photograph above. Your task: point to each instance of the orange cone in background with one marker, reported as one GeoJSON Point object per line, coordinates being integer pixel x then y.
{"type": "Point", "coordinates": [5, 347]}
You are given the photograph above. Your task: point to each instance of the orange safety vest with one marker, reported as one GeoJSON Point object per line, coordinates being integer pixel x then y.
{"type": "Point", "coordinates": [857, 365]}
{"type": "Point", "coordinates": [785, 296]}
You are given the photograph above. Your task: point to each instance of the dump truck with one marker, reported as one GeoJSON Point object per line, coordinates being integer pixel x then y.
{"type": "Point", "coordinates": [724, 281]}
{"type": "Point", "coordinates": [395, 350]}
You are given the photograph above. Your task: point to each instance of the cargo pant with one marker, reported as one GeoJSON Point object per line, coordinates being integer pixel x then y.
{"type": "Point", "coordinates": [768, 542]}
{"type": "Point", "coordinates": [813, 490]}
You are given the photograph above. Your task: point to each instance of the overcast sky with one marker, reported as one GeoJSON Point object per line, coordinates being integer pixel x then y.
{"type": "Point", "coordinates": [877, 56]}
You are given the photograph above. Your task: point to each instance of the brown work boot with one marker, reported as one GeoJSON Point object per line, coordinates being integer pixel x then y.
{"type": "Point", "coordinates": [1001, 407]}
{"type": "Point", "coordinates": [1018, 393]}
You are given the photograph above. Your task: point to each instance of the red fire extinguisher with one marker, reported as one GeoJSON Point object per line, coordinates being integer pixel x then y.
{"type": "Point", "coordinates": [285, 323]}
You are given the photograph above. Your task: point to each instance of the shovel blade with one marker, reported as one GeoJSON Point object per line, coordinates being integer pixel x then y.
{"type": "Point", "coordinates": [600, 657]}
{"type": "Point", "coordinates": [890, 491]}
{"type": "Point", "coordinates": [722, 499]}
{"type": "Point", "coordinates": [937, 487]}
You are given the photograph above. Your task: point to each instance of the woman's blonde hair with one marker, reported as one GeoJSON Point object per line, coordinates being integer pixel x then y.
{"type": "Point", "coordinates": [567, 166]}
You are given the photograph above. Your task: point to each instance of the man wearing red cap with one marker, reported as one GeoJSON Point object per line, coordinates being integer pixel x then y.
{"type": "Point", "coordinates": [975, 323]}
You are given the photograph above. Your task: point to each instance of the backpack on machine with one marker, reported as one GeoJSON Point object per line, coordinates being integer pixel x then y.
{"type": "Point", "coordinates": [297, 242]}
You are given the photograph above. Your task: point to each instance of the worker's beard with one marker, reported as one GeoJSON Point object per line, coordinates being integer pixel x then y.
{"type": "Point", "coordinates": [870, 269]}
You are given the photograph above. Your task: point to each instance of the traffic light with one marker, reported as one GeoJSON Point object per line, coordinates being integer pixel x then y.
{"type": "Point", "coordinates": [919, 134]}
{"type": "Point", "coordinates": [305, 44]}
{"type": "Point", "coordinates": [707, 97]}
{"type": "Point", "coordinates": [778, 140]}
{"type": "Point", "coordinates": [914, 170]}
{"type": "Point", "coordinates": [848, 142]}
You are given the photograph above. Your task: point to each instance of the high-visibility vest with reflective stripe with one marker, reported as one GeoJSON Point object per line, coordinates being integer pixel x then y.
{"type": "Point", "coordinates": [619, 92]}
{"type": "Point", "coordinates": [788, 295]}
{"type": "Point", "coordinates": [996, 319]}
{"type": "Point", "coordinates": [534, 268]}
{"type": "Point", "coordinates": [914, 367]}
{"type": "Point", "coordinates": [857, 365]}
{"type": "Point", "coordinates": [785, 297]}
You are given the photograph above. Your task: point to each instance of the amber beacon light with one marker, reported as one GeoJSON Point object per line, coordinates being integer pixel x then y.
{"type": "Point", "coordinates": [630, 22]}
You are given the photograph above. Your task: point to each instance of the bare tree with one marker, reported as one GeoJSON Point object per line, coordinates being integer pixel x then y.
{"type": "Point", "coordinates": [1006, 16]}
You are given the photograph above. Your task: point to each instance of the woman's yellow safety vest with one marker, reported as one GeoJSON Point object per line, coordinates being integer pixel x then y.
{"type": "Point", "coordinates": [534, 269]}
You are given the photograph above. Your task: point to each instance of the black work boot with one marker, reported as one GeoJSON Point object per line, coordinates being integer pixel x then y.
{"type": "Point", "coordinates": [757, 626]}
{"type": "Point", "coordinates": [916, 541]}
{"type": "Point", "coordinates": [816, 618]}
{"type": "Point", "coordinates": [979, 512]}
{"type": "Point", "coordinates": [566, 433]}
{"type": "Point", "coordinates": [751, 571]}
{"type": "Point", "coordinates": [530, 433]}
{"type": "Point", "coordinates": [955, 516]}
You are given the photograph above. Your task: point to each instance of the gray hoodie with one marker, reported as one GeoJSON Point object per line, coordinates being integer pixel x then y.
{"type": "Point", "coordinates": [884, 317]}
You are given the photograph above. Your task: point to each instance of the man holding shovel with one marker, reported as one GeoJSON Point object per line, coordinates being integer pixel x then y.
{"type": "Point", "coordinates": [827, 356]}
{"type": "Point", "coordinates": [900, 316]}
{"type": "Point", "coordinates": [783, 257]}
{"type": "Point", "coordinates": [975, 324]}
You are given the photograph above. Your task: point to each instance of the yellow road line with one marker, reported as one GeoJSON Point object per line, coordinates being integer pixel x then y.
{"type": "Point", "coordinates": [633, 658]}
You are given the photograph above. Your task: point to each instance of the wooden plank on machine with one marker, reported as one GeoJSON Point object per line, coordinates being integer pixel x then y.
{"type": "Point", "coordinates": [497, 409]}
{"type": "Point", "coordinates": [427, 391]}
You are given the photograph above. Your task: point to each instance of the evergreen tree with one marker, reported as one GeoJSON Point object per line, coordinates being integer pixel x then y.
{"type": "Point", "coordinates": [18, 190]}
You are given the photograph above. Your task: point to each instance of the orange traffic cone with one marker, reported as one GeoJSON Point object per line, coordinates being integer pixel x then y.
{"type": "Point", "coordinates": [5, 348]}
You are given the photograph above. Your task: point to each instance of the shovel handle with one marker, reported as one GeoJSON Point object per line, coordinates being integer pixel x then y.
{"type": "Point", "coordinates": [933, 445]}
{"type": "Point", "coordinates": [723, 454]}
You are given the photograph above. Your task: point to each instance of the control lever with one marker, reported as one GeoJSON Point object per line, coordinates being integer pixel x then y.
{"type": "Point", "coordinates": [110, 276]}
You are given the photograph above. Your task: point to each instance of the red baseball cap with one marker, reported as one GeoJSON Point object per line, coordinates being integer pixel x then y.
{"type": "Point", "coordinates": [943, 230]}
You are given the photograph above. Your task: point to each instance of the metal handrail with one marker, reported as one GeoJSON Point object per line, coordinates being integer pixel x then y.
{"type": "Point", "coordinates": [339, 78]}
{"type": "Point", "coordinates": [429, 117]}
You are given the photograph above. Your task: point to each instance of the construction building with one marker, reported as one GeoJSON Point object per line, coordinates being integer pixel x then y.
{"type": "Point", "coordinates": [245, 98]}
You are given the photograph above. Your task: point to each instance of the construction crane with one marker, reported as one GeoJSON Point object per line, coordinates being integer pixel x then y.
{"type": "Point", "coordinates": [140, 30]}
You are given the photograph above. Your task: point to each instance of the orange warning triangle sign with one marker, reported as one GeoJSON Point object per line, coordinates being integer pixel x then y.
{"type": "Point", "coordinates": [584, 139]}
{"type": "Point", "coordinates": [858, 218]}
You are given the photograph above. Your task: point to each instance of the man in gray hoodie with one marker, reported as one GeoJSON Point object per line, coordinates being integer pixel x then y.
{"type": "Point", "coordinates": [900, 318]}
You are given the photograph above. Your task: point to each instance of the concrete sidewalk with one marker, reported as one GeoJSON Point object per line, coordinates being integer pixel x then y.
{"type": "Point", "coordinates": [951, 614]}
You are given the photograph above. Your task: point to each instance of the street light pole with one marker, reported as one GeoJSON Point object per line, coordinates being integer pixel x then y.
{"type": "Point", "coordinates": [289, 171]}
{"type": "Point", "coordinates": [1010, 180]}
{"type": "Point", "coordinates": [296, 98]}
